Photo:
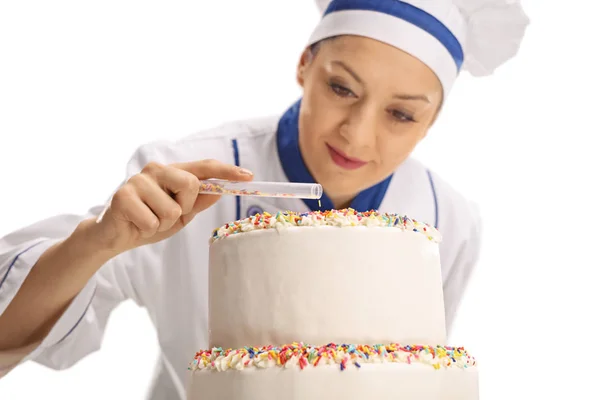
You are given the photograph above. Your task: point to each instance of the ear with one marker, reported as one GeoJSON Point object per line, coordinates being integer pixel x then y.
{"type": "Point", "coordinates": [303, 64]}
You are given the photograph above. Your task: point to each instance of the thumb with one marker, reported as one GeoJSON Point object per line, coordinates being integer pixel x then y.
{"type": "Point", "coordinates": [203, 202]}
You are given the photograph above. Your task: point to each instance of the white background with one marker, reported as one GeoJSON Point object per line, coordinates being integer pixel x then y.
{"type": "Point", "coordinates": [83, 83]}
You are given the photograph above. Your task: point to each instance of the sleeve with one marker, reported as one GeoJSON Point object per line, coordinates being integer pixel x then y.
{"type": "Point", "coordinates": [465, 259]}
{"type": "Point", "coordinates": [80, 329]}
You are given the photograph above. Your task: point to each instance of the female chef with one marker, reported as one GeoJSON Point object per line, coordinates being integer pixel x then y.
{"type": "Point", "coordinates": [374, 77]}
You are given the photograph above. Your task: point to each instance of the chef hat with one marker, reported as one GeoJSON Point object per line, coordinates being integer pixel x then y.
{"type": "Point", "coordinates": [446, 35]}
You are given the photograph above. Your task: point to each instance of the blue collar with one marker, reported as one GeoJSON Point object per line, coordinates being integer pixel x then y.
{"type": "Point", "coordinates": [296, 171]}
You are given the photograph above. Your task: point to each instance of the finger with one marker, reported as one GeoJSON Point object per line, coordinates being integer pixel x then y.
{"type": "Point", "coordinates": [207, 169]}
{"type": "Point", "coordinates": [127, 206]}
{"type": "Point", "coordinates": [183, 185]}
{"type": "Point", "coordinates": [160, 202]}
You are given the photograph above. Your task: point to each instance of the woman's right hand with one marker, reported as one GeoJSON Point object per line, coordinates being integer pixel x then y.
{"type": "Point", "coordinates": [151, 206]}
{"type": "Point", "coordinates": [159, 201]}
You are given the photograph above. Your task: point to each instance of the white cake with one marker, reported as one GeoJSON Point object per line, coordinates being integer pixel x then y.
{"type": "Point", "coordinates": [328, 305]}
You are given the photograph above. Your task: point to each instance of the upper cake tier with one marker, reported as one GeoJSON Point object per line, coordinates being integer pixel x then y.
{"type": "Point", "coordinates": [337, 276]}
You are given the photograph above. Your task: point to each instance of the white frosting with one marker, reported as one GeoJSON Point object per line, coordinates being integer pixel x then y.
{"type": "Point", "coordinates": [385, 381]}
{"type": "Point", "coordinates": [325, 284]}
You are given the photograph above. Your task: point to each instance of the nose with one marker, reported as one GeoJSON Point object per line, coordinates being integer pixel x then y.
{"type": "Point", "coordinates": [360, 126]}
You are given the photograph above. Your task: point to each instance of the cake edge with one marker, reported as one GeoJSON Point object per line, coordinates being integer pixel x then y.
{"type": "Point", "coordinates": [333, 218]}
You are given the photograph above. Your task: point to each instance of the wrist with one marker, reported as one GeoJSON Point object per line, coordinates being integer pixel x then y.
{"type": "Point", "coordinates": [88, 241]}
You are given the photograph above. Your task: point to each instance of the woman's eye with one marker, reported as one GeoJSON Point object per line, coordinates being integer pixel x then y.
{"type": "Point", "coordinates": [402, 116]}
{"type": "Point", "coordinates": [340, 90]}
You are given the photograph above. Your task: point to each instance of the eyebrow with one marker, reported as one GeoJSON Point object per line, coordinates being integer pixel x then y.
{"type": "Point", "coordinates": [348, 70]}
{"type": "Point", "coordinates": [402, 96]}
{"type": "Point", "coordinates": [420, 97]}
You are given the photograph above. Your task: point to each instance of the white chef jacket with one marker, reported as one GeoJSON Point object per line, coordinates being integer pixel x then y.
{"type": "Point", "coordinates": [169, 278]}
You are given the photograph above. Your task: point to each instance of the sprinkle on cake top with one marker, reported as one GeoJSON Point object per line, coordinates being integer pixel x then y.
{"type": "Point", "coordinates": [340, 218]}
{"type": "Point", "coordinates": [344, 355]}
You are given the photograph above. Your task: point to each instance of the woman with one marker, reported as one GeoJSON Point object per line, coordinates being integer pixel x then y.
{"type": "Point", "coordinates": [375, 76]}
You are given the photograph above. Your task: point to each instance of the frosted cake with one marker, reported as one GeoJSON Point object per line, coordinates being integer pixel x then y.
{"type": "Point", "coordinates": [328, 305]}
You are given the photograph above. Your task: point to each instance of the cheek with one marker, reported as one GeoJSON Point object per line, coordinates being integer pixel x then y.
{"type": "Point", "coordinates": [393, 149]}
{"type": "Point", "coordinates": [320, 120]}
{"type": "Point", "coordinates": [311, 141]}
{"type": "Point", "coordinates": [325, 109]}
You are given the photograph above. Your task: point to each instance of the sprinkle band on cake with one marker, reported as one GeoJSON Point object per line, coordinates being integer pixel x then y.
{"type": "Point", "coordinates": [344, 355]}
{"type": "Point", "coordinates": [336, 218]}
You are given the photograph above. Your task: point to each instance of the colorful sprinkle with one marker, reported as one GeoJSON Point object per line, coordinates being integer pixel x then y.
{"type": "Point", "coordinates": [340, 218]}
{"type": "Point", "coordinates": [207, 187]}
{"type": "Point", "coordinates": [303, 356]}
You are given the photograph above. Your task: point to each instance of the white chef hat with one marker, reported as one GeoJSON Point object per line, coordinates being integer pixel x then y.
{"type": "Point", "coordinates": [446, 35]}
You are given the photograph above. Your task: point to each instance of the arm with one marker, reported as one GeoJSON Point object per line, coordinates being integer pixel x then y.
{"type": "Point", "coordinates": [60, 273]}
{"type": "Point", "coordinates": [45, 293]}
{"type": "Point", "coordinates": [48, 278]}
{"type": "Point", "coordinates": [62, 277]}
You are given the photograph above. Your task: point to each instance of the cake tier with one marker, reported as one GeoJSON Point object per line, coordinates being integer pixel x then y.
{"type": "Point", "coordinates": [341, 276]}
{"type": "Point", "coordinates": [334, 372]}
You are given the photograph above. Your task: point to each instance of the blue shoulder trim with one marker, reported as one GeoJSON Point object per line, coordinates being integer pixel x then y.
{"type": "Point", "coordinates": [236, 159]}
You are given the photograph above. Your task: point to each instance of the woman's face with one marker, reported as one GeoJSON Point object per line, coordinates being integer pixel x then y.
{"type": "Point", "coordinates": [365, 106]}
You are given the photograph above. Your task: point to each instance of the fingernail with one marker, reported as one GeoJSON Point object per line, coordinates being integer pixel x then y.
{"type": "Point", "coordinates": [245, 171]}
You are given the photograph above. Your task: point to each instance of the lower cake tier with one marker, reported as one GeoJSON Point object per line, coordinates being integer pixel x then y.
{"type": "Point", "coordinates": [296, 371]}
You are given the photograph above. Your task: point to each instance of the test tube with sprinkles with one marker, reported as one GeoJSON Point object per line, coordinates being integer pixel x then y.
{"type": "Point", "coordinates": [262, 189]}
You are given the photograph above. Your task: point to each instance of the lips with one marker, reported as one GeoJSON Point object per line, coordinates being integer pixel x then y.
{"type": "Point", "coordinates": [344, 161]}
